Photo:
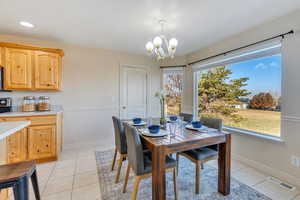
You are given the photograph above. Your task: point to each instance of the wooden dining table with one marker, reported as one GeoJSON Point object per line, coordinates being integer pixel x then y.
{"type": "Point", "coordinates": [186, 140]}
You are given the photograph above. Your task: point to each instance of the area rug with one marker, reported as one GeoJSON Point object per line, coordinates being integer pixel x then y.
{"type": "Point", "coordinates": [185, 179]}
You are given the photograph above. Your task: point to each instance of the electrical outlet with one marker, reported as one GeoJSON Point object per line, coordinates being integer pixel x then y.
{"type": "Point", "coordinates": [295, 161]}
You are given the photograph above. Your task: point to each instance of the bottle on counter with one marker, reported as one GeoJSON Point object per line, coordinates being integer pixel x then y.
{"type": "Point", "coordinates": [43, 103]}
{"type": "Point", "coordinates": [28, 104]}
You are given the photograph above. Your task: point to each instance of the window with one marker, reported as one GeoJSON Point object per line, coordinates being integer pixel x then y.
{"type": "Point", "coordinates": [172, 85]}
{"type": "Point", "coordinates": [245, 94]}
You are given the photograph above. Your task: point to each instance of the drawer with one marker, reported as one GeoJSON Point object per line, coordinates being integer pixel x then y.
{"type": "Point", "coordinates": [35, 120]}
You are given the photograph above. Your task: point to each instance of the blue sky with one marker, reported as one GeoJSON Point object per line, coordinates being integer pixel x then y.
{"type": "Point", "coordinates": [264, 74]}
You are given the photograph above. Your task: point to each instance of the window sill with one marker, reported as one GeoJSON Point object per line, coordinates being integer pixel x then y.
{"type": "Point", "coordinates": [254, 134]}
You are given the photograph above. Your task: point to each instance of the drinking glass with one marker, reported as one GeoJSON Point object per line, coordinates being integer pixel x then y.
{"type": "Point", "coordinates": [181, 124]}
{"type": "Point", "coordinates": [172, 128]}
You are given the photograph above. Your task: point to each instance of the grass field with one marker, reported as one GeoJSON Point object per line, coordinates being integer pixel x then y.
{"type": "Point", "coordinates": [267, 122]}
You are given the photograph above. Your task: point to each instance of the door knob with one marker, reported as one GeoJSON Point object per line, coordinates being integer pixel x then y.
{"type": "Point", "coordinates": [124, 107]}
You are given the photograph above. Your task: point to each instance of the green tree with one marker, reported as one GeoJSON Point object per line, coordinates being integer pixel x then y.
{"type": "Point", "coordinates": [218, 93]}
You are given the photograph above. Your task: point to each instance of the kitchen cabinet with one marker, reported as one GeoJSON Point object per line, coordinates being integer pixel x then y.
{"type": "Point", "coordinates": [31, 68]}
{"type": "Point", "coordinates": [41, 141]}
{"type": "Point", "coordinates": [47, 71]}
{"type": "Point", "coordinates": [17, 146]}
{"type": "Point", "coordinates": [18, 69]}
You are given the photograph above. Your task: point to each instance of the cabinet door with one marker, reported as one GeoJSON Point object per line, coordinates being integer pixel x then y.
{"type": "Point", "coordinates": [41, 142]}
{"type": "Point", "coordinates": [47, 70]}
{"type": "Point", "coordinates": [18, 69]}
{"type": "Point", "coordinates": [17, 146]}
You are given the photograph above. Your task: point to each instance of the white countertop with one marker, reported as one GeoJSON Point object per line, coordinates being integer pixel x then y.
{"type": "Point", "coordinates": [54, 110]}
{"type": "Point", "coordinates": [8, 128]}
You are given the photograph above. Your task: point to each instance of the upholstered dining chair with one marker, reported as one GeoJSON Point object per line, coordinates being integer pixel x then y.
{"type": "Point", "coordinates": [120, 145]}
{"type": "Point", "coordinates": [204, 154]}
{"type": "Point", "coordinates": [140, 161]}
{"type": "Point", "coordinates": [186, 117]}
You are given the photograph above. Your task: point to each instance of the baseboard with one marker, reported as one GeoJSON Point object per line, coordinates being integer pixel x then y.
{"type": "Point", "coordinates": [269, 170]}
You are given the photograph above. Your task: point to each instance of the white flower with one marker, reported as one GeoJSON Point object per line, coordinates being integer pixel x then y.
{"type": "Point", "coordinates": [161, 94]}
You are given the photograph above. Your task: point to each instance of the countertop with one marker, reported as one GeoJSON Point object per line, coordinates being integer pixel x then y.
{"type": "Point", "coordinates": [8, 128]}
{"type": "Point", "coordinates": [54, 110]}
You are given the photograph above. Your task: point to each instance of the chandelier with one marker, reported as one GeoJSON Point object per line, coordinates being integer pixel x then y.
{"type": "Point", "coordinates": [161, 47]}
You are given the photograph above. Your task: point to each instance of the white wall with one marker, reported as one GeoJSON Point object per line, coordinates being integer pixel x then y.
{"type": "Point", "coordinates": [90, 90]}
{"type": "Point", "coordinates": [272, 157]}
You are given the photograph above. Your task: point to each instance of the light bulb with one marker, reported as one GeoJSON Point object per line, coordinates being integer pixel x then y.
{"type": "Point", "coordinates": [173, 43]}
{"type": "Point", "coordinates": [149, 47]}
{"type": "Point", "coordinates": [157, 41]}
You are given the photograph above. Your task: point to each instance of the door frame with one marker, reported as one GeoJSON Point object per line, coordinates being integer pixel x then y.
{"type": "Point", "coordinates": [148, 84]}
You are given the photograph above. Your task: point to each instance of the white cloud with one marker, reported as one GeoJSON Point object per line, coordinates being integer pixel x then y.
{"type": "Point", "coordinates": [261, 66]}
{"type": "Point", "coordinates": [266, 66]}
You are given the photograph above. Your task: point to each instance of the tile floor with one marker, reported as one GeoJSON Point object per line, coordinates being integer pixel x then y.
{"type": "Point", "coordinates": [74, 177]}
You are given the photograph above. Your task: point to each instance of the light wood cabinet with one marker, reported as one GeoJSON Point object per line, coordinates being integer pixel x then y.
{"type": "Point", "coordinates": [18, 69]}
{"type": "Point", "coordinates": [17, 146]}
{"type": "Point", "coordinates": [30, 68]}
{"type": "Point", "coordinates": [47, 70]}
{"type": "Point", "coordinates": [41, 142]}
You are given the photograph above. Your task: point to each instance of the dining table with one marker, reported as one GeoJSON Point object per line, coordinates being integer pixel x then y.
{"type": "Point", "coordinates": [184, 140]}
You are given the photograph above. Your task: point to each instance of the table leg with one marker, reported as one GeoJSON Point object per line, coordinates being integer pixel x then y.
{"type": "Point", "coordinates": [224, 166]}
{"type": "Point", "coordinates": [158, 173]}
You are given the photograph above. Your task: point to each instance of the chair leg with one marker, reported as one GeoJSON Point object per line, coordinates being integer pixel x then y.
{"type": "Point", "coordinates": [35, 185]}
{"type": "Point", "coordinates": [114, 161]}
{"type": "Point", "coordinates": [126, 178]}
{"type": "Point", "coordinates": [119, 168]}
{"type": "Point", "coordinates": [136, 187]}
{"type": "Point", "coordinates": [197, 185]}
{"type": "Point", "coordinates": [175, 182]}
{"type": "Point", "coordinates": [177, 163]}
{"type": "Point", "coordinates": [202, 166]}
{"type": "Point", "coordinates": [21, 189]}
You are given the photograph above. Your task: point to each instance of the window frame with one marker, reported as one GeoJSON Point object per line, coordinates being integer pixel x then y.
{"type": "Point", "coordinates": [280, 139]}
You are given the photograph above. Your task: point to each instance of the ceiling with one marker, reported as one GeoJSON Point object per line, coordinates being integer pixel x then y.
{"type": "Point", "coordinates": [126, 25]}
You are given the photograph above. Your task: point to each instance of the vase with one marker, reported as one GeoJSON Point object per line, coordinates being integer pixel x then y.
{"type": "Point", "coordinates": [163, 120]}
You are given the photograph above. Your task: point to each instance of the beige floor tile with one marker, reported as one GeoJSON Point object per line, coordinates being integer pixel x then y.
{"type": "Point", "coordinates": [86, 153]}
{"type": "Point", "coordinates": [249, 176]}
{"type": "Point", "coordinates": [63, 172]}
{"type": "Point", "coordinates": [68, 155]}
{"type": "Point", "coordinates": [91, 192]}
{"type": "Point", "coordinates": [41, 188]}
{"type": "Point", "coordinates": [43, 176]}
{"type": "Point", "coordinates": [58, 185]}
{"type": "Point", "coordinates": [275, 192]}
{"type": "Point", "coordinates": [297, 197]}
{"type": "Point", "coordinates": [45, 167]}
{"type": "Point", "coordinates": [85, 179]}
{"type": "Point", "coordinates": [85, 165]}
{"type": "Point", "coordinates": [237, 165]}
{"type": "Point", "coordinates": [66, 195]}
{"type": "Point", "coordinates": [65, 164]}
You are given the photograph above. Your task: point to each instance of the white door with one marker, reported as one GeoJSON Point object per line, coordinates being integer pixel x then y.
{"type": "Point", "coordinates": [133, 92]}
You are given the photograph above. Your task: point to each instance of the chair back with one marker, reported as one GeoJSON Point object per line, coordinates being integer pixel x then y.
{"type": "Point", "coordinates": [120, 137]}
{"type": "Point", "coordinates": [186, 117]}
{"type": "Point", "coordinates": [212, 122]}
{"type": "Point", "coordinates": [135, 149]}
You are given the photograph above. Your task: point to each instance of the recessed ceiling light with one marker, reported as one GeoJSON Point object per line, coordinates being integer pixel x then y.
{"type": "Point", "coordinates": [26, 24]}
